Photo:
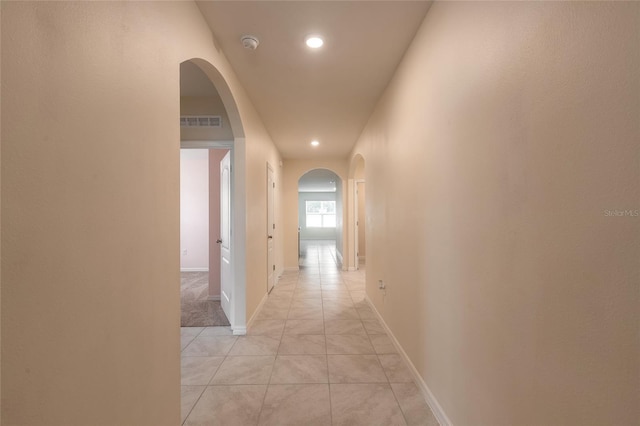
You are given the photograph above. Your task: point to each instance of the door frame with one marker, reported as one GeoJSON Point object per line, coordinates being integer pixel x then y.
{"type": "Point", "coordinates": [271, 231]}
{"type": "Point", "coordinates": [356, 224]}
{"type": "Point", "coordinates": [237, 317]}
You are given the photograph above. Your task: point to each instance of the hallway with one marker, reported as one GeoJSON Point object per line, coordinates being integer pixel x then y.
{"type": "Point", "coordinates": [316, 354]}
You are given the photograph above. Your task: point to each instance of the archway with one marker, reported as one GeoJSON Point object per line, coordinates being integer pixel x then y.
{"type": "Point", "coordinates": [210, 121]}
{"type": "Point", "coordinates": [320, 216]}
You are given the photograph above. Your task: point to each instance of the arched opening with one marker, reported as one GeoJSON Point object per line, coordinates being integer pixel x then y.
{"type": "Point", "coordinates": [212, 237]}
{"type": "Point", "coordinates": [320, 222]}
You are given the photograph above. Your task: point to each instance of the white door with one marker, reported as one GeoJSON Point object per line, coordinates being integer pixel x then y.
{"type": "Point", "coordinates": [359, 210]}
{"type": "Point", "coordinates": [356, 227]}
{"type": "Point", "coordinates": [271, 226]}
{"type": "Point", "coordinates": [226, 286]}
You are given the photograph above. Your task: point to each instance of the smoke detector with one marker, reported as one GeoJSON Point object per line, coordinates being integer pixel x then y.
{"type": "Point", "coordinates": [250, 42]}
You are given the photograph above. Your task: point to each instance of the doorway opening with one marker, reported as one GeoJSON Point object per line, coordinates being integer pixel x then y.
{"type": "Point", "coordinates": [320, 218]}
{"type": "Point", "coordinates": [271, 229]}
{"type": "Point", "coordinates": [212, 239]}
{"type": "Point", "coordinates": [359, 219]}
{"type": "Point", "coordinates": [204, 217]}
{"type": "Point", "coordinates": [210, 121]}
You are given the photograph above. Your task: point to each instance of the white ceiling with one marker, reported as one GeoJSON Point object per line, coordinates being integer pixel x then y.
{"type": "Point", "coordinates": [326, 94]}
{"type": "Point", "coordinates": [318, 180]}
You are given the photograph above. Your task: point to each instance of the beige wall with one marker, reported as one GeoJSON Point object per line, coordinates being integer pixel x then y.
{"type": "Point", "coordinates": [292, 172]}
{"type": "Point", "coordinates": [507, 131]}
{"type": "Point", "coordinates": [90, 166]}
{"type": "Point", "coordinates": [261, 153]}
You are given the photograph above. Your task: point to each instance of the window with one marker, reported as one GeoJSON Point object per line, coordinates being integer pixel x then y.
{"type": "Point", "coordinates": [321, 214]}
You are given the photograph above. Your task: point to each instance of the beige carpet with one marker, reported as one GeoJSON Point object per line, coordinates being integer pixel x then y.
{"type": "Point", "coordinates": [195, 308]}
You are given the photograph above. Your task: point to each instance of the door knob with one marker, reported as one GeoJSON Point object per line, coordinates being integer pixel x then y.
{"type": "Point", "coordinates": [219, 241]}
{"type": "Point", "coordinates": [270, 237]}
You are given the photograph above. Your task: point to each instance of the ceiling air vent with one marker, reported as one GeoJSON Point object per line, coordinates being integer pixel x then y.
{"type": "Point", "coordinates": [201, 121]}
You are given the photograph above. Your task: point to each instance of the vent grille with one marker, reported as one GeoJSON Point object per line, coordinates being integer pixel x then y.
{"type": "Point", "coordinates": [201, 121]}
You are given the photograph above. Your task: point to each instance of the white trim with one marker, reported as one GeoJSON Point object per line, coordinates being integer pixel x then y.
{"type": "Point", "coordinates": [271, 208]}
{"type": "Point", "coordinates": [239, 331]}
{"type": "Point", "coordinates": [237, 149]}
{"type": "Point", "coordinates": [352, 269]}
{"type": "Point", "coordinates": [291, 268]}
{"type": "Point", "coordinates": [194, 269]}
{"type": "Point", "coordinates": [257, 311]}
{"type": "Point", "coordinates": [214, 298]}
{"type": "Point", "coordinates": [431, 400]}
{"type": "Point", "coordinates": [356, 224]}
{"type": "Point", "coordinates": [206, 144]}
{"type": "Point", "coordinates": [238, 307]}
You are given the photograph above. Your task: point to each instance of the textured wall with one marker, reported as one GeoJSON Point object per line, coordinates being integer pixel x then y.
{"type": "Point", "coordinates": [507, 132]}
{"type": "Point", "coordinates": [90, 207]}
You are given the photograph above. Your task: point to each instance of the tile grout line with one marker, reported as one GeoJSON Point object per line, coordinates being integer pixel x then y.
{"type": "Point", "coordinates": [328, 377]}
{"type": "Point", "coordinates": [335, 284]}
{"type": "Point", "coordinates": [275, 358]}
{"type": "Point", "coordinates": [404, 416]}
{"type": "Point", "coordinates": [194, 404]}
{"type": "Point", "coordinates": [326, 352]}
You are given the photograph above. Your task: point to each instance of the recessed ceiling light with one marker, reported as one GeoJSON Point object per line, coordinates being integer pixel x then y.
{"type": "Point", "coordinates": [315, 143]}
{"type": "Point", "coordinates": [314, 42]}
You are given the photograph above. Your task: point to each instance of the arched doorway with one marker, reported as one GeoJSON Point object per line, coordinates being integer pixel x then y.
{"type": "Point", "coordinates": [210, 123]}
{"type": "Point", "coordinates": [320, 223]}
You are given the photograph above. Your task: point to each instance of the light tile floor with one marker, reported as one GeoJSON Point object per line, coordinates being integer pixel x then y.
{"type": "Point", "coordinates": [315, 355]}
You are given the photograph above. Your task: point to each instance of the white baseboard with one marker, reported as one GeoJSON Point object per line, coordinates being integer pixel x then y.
{"type": "Point", "coordinates": [352, 269]}
{"type": "Point", "coordinates": [257, 311]}
{"type": "Point", "coordinates": [239, 331]}
{"type": "Point", "coordinates": [213, 297]}
{"type": "Point", "coordinates": [291, 268]}
{"type": "Point", "coordinates": [194, 269]}
{"type": "Point", "coordinates": [431, 400]}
